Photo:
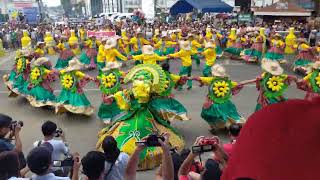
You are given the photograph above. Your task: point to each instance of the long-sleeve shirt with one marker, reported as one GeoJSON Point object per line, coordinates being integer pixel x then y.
{"type": "Point", "coordinates": [112, 53]}
{"type": "Point", "coordinates": [210, 56]}
{"type": "Point", "coordinates": [164, 44]}
{"type": "Point", "coordinates": [149, 59]}
{"type": "Point", "coordinates": [185, 56]}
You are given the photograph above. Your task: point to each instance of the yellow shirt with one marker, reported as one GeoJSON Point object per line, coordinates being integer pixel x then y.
{"type": "Point", "coordinates": [112, 53]}
{"type": "Point", "coordinates": [135, 42]}
{"type": "Point", "coordinates": [166, 44]}
{"type": "Point", "coordinates": [210, 56]}
{"type": "Point", "coordinates": [101, 54]}
{"type": "Point", "coordinates": [60, 46]}
{"type": "Point", "coordinates": [40, 52]}
{"type": "Point", "coordinates": [149, 58]}
{"type": "Point", "coordinates": [185, 56]}
{"type": "Point", "coordinates": [195, 45]}
{"type": "Point", "coordinates": [175, 78]}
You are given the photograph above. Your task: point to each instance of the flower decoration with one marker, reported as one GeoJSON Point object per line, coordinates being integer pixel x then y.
{"type": "Point", "coordinates": [221, 88]}
{"type": "Point", "coordinates": [35, 73]}
{"type": "Point", "coordinates": [67, 81]}
{"type": "Point", "coordinates": [318, 80]}
{"type": "Point", "coordinates": [108, 81]}
{"type": "Point", "coordinates": [275, 83]}
{"type": "Point", "coordinates": [19, 65]}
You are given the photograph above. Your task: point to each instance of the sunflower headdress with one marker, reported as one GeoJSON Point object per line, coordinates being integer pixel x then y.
{"type": "Point", "coordinates": [149, 73]}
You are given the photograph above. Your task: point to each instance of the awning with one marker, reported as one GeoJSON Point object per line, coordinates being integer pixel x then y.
{"type": "Point", "coordinates": [186, 6]}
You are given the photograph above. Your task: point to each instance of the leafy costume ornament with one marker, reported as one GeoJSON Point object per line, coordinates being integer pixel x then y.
{"type": "Point", "coordinates": [139, 118]}
{"type": "Point", "coordinates": [109, 82]}
{"type": "Point", "coordinates": [218, 110]}
{"type": "Point", "coordinates": [272, 84]}
{"type": "Point", "coordinates": [311, 83]}
{"type": "Point", "coordinates": [40, 92]}
{"type": "Point", "coordinates": [72, 97]}
{"type": "Point", "coordinates": [17, 80]}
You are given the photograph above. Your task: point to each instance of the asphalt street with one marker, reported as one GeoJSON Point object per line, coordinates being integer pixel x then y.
{"type": "Point", "coordinates": [81, 131]}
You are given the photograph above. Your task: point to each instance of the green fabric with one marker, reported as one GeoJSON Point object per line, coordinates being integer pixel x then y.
{"type": "Point", "coordinates": [270, 101]}
{"type": "Point", "coordinates": [134, 53]}
{"type": "Point", "coordinates": [73, 98]}
{"type": "Point", "coordinates": [184, 70]}
{"type": "Point", "coordinates": [218, 50]}
{"type": "Point", "coordinates": [274, 56]}
{"type": "Point", "coordinates": [86, 59]}
{"type": "Point", "coordinates": [220, 112]}
{"type": "Point", "coordinates": [200, 49]}
{"type": "Point", "coordinates": [234, 51]}
{"type": "Point", "coordinates": [206, 71]}
{"type": "Point", "coordinates": [164, 104]}
{"type": "Point", "coordinates": [21, 84]}
{"type": "Point", "coordinates": [196, 58]}
{"type": "Point", "coordinates": [108, 112]}
{"type": "Point", "coordinates": [159, 52]}
{"type": "Point", "coordinates": [169, 50]}
{"type": "Point", "coordinates": [101, 65]}
{"type": "Point", "coordinates": [253, 53]}
{"type": "Point", "coordinates": [42, 94]}
{"type": "Point", "coordinates": [62, 63]}
{"type": "Point", "coordinates": [12, 76]}
{"type": "Point", "coordinates": [302, 62]}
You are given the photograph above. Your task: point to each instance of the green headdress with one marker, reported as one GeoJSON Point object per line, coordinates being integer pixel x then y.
{"type": "Point", "coordinates": [150, 73]}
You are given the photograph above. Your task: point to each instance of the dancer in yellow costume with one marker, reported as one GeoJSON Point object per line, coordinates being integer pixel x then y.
{"type": "Point", "coordinates": [111, 51]}
{"type": "Point", "coordinates": [124, 43]}
{"type": "Point", "coordinates": [74, 43]}
{"type": "Point", "coordinates": [40, 50]}
{"type": "Point", "coordinates": [101, 57]}
{"type": "Point", "coordinates": [290, 42]}
{"type": "Point", "coordinates": [2, 52]}
{"type": "Point", "coordinates": [139, 119]}
{"type": "Point", "coordinates": [26, 40]}
{"type": "Point", "coordinates": [210, 55]}
{"type": "Point", "coordinates": [232, 38]}
{"type": "Point", "coordinates": [148, 56]}
{"type": "Point", "coordinates": [50, 44]}
{"type": "Point", "coordinates": [137, 42]}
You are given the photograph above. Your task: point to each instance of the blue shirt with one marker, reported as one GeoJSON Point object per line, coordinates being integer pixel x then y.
{"type": "Point", "coordinates": [5, 145]}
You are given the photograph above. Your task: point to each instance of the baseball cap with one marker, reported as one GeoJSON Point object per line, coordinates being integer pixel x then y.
{"type": "Point", "coordinates": [5, 120]}
{"type": "Point", "coordinates": [39, 159]}
{"type": "Point", "coordinates": [280, 141]}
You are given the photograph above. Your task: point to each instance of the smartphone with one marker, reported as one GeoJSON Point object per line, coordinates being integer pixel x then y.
{"type": "Point", "coordinates": [57, 163]}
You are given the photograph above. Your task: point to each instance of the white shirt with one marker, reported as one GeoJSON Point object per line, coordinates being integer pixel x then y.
{"type": "Point", "coordinates": [49, 176]}
{"type": "Point", "coordinates": [59, 148]}
{"type": "Point", "coordinates": [118, 169]}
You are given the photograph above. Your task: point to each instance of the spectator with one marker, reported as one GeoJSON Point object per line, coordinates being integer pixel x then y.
{"type": "Point", "coordinates": [93, 164]}
{"type": "Point", "coordinates": [40, 162]}
{"type": "Point", "coordinates": [234, 131]}
{"type": "Point", "coordinates": [166, 171]}
{"type": "Point", "coordinates": [116, 161]}
{"type": "Point", "coordinates": [6, 134]}
{"type": "Point", "coordinates": [9, 166]}
{"type": "Point", "coordinates": [212, 167]}
{"type": "Point", "coordinates": [60, 147]}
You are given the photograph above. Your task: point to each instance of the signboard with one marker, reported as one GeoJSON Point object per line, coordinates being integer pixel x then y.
{"type": "Point", "coordinates": [101, 34]}
{"type": "Point", "coordinates": [244, 17]}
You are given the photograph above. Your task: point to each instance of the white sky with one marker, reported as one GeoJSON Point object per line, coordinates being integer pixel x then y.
{"type": "Point", "coordinates": [51, 2]}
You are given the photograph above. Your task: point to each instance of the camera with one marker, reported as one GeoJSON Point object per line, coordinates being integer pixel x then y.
{"type": "Point", "coordinates": [68, 162]}
{"type": "Point", "coordinates": [14, 124]}
{"type": "Point", "coordinates": [205, 145]}
{"type": "Point", "coordinates": [58, 132]}
{"type": "Point", "coordinates": [152, 141]}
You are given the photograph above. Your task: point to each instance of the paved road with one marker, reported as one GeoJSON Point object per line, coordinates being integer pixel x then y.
{"type": "Point", "coordinates": [82, 131]}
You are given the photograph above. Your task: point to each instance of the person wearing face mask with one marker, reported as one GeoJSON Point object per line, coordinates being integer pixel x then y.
{"type": "Point", "coordinates": [139, 118]}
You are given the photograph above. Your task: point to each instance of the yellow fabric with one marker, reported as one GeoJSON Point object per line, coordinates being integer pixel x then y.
{"type": "Point", "coordinates": [290, 42]}
{"type": "Point", "coordinates": [25, 40]}
{"type": "Point", "coordinates": [49, 43]}
{"type": "Point", "coordinates": [101, 54]}
{"type": "Point", "coordinates": [82, 34]}
{"type": "Point", "coordinates": [210, 56]}
{"type": "Point", "coordinates": [304, 46]}
{"type": "Point", "coordinates": [278, 43]}
{"type": "Point", "coordinates": [318, 49]}
{"type": "Point", "coordinates": [209, 35]}
{"type": "Point", "coordinates": [206, 80]}
{"type": "Point", "coordinates": [40, 52]}
{"type": "Point", "coordinates": [60, 46]}
{"type": "Point", "coordinates": [175, 78]}
{"type": "Point", "coordinates": [80, 74]}
{"type": "Point", "coordinates": [149, 59]}
{"type": "Point", "coordinates": [307, 77]}
{"type": "Point", "coordinates": [112, 53]}
{"type": "Point", "coordinates": [231, 38]}
{"type": "Point", "coordinates": [195, 45]}
{"type": "Point", "coordinates": [121, 101]}
{"type": "Point", "coordinates": [134, 41]}
{"type": "Point", "coordinates": [234, 84]}
{"type": "Point", "coordinates": [73, 39]}
{"type": "Point", "coordinates": [185, 56]}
